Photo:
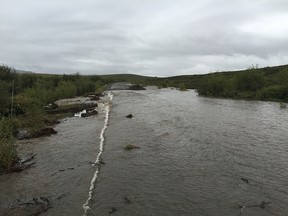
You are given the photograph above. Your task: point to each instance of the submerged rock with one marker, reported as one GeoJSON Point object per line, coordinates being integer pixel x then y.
{"type": "Point", "coordinates": [89, 113]}
{"type": "Point", "coordinates": [72, 108]}
{"type": "Point", "coordinates": [96, 96]}
{"type": "Point", "coordinates": [129, 116]}
{"type": "Point", "coordinates": [130, 147]}
{"type": "Point", "coordinates": [245, 180]}
{"type": "Point", "coordinates": [45, 132]}
{"type": "Point", "coordinates": [113, 209]}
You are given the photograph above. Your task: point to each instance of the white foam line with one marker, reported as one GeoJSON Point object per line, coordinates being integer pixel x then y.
{"type": "Point", "coordinates": [86, 206]}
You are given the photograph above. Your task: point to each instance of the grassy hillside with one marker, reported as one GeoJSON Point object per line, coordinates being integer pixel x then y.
{"type": "Point", "coordinates": [270, 83]}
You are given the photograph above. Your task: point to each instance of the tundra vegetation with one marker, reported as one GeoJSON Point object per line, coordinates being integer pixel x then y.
{"type": "Point", "coordinates": [23, 98]}
{"type": "Point", "coordinates": [269, 84]}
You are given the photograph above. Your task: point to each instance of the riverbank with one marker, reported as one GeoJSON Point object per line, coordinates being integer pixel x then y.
{"type": "Point", "coordinates": [39, 123]}
{"type": "Point", "coordinates": [264, 84]}
{"type": "Point", "coordinates": [61, 173]}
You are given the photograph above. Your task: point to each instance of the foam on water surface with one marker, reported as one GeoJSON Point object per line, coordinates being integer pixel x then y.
{"type": "Point", "coordinates": [107, 106]}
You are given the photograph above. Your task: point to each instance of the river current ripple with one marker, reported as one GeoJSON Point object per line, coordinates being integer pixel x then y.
{"type": "Point", "coordinates": [197, 156]}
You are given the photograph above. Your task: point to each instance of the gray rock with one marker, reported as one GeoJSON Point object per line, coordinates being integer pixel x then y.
{"type": "Point", "coordinates": [23, 134]}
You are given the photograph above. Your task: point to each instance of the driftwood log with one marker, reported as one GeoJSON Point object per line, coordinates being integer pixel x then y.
{"type": "Point", "coordinates": [263, 204]}
{"type": "Point", "coordinates": [20, 167]}
{"type": "Point", "coordinates": [22, 164]}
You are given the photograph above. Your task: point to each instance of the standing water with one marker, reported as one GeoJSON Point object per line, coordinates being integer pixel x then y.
{"type": "Point", "coordinates": [197, 156]}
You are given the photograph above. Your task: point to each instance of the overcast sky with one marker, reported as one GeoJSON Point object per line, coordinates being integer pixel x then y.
{"type": "Point", "coordinates": [146, 37]}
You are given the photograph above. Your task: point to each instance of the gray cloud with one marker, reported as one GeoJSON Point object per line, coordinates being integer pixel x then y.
{"type": "Point", "coordinates": [159, 37]}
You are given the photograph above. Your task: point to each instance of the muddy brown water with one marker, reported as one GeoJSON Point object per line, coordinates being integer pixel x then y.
{"type": "Point", "coordinates": [193, 153]}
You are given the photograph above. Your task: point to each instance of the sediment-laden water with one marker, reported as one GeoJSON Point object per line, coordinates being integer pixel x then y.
{"type": "Point", "coordinates": [197, 156]}
{"type": "Point", "coordinates": [63, 169]}
{"type": "Point", "coordinates": [194, 152]}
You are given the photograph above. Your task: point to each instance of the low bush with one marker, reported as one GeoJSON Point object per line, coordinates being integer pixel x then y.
{"type": "Point", "coordinates": [8, 151]}
{"type": "Point", "coordinates": [182, 87]}
{"type": "Point", "coordinates": [276, 92]}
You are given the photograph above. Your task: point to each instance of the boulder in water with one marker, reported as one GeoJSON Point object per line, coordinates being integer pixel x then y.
{"type": "Point", "coordinates": [129, 116]}
{"type": "Point", "coordinates": [45, 132]}
{"type": "Point", "coordinates": [90, 113]}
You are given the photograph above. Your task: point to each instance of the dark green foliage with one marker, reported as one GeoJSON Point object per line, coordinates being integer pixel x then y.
{"type": "Point", "coordinates": [253, 83]}
{"type": "Point", "coordinates": [250, 80]}
{"type": "Point", "coordinates": [5, 97]}
{"type": "Point", "coordinates": [277, 92]}
{"type": "Point", "coordinates": [71, 77]}
{"type": "Point", "coordinates": [6, 73]}
{"type": "Point", "coordinates": [38, 95]}
{"type": "Point", "coordinates": [41, 89]}
{"type": "Point", "coordinates": [27, 80]}
{"type": "Point", "coordinates": [218, 85]}
{"type": "Point", "coordinates": [65, 89]}
{"type": "Point", "coordinates": [283, 77]}
{"type": "Point", "coordinates": [182, 87]}
{"type": "Point", "coordinates": [8, 153]}
{"type": "Point", "coordinates": [84, 86]}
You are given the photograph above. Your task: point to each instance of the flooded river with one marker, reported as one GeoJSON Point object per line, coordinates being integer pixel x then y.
{"type": "Point", "coordinates": [197, 156]}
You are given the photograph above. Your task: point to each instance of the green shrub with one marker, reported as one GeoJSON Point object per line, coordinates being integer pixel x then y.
{"type": "Point", "coordinates": [27, 80]}
{"type": "Point", "coordinates": [5, 97]}
{"type": "Point", "coordinates": [250, 80]}
{"type": "Point", "coordinates": [182, 87]}
{"type": "Point", "coordinates": [283, 77]}
{"type": "Point", "coordinates": [41, 95]}
{"type": "Point", "coordinates": [85, 86]}
{"type": "Point", "coordinates": [65, 89]}
{"type": "Point", "coordinates": [8, 152]}
{"type": "Point", "coordinates": [276, 92]}
{"type": "Point", "coordinates": [32, 116]}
